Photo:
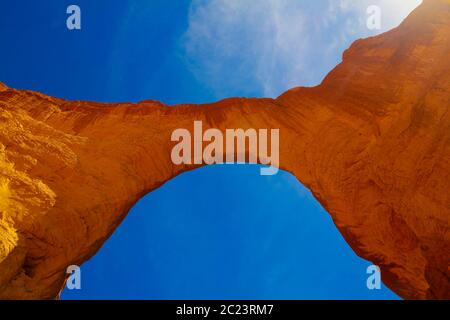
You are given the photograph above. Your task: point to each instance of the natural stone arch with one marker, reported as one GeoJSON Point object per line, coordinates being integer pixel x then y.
{"type": "Point", "coordinates": [372, 143]}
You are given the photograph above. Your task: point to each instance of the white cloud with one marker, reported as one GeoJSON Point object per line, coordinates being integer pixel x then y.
{"type": "Point", "coordinates": [249, 47]}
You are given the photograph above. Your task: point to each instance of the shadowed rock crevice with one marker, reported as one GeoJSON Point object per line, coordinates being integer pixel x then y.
{"type": "Point", "coordinates": [372, 143]}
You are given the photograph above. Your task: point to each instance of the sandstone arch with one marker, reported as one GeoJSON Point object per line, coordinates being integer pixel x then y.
{"type": "Point", "coordinates": [372, 142]}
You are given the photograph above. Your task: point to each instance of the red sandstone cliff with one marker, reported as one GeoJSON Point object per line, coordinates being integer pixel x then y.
{"type": "Point", "coordinates": [372, 142]}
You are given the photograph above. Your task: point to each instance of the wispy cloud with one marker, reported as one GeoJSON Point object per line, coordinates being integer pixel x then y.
{"type": "Point", "coordinates": [247, 47]}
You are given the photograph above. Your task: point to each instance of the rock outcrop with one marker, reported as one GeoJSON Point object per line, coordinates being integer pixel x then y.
{"type": "Point", "coordinates": [372, 143]}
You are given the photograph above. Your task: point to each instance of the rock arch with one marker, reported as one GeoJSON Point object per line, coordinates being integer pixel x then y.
{"type": "Point", "coordinates": [372, 143]}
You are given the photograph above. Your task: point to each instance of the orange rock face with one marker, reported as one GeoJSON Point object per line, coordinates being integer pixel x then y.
{"type": "Point", "coordinates": [372, 142]}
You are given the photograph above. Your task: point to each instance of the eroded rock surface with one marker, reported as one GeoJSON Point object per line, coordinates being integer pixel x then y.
{"type": "Point", "coordinates": [372, 142]}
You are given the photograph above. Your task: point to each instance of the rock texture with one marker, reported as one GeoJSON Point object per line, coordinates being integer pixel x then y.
{"type": "Point", "coordinates": [372, 142]}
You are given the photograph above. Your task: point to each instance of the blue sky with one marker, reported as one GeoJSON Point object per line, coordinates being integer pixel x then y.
{"type": "Point", "coordinates": [217, 232]}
